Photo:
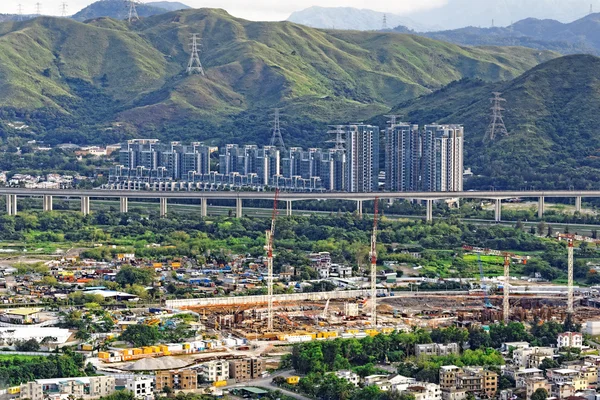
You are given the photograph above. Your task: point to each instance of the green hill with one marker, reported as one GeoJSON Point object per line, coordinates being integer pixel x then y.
{"type": "Point", "coordinates": [551, 115]}
{"type": "Point", "coordinates": [105, 80]}
{"type": "Point", "coordinates": [116, 9]}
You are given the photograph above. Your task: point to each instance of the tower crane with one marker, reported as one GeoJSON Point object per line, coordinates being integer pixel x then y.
{"type": "Point", "coordinates": [506, 291]}
{"type": "Point", "coordinates": [269, 248]}
{"type": "Point", "coordinates": [373, 255]}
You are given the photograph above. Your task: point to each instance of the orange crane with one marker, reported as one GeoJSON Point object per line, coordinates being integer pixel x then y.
{"type": "Point", "coordinates": [269, 247]}
{"type": "Point", "coordinates": [373, 255]}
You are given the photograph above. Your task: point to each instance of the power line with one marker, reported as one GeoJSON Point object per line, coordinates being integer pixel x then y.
{"type": "Point", "coordinates": [497, 126]}
{"type": "Point", "coordinates": [194, 65]}
{"type": "Point", "coordinates": [276, 137]}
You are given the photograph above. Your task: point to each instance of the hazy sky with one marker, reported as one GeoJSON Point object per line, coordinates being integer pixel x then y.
{"type": "Point", "coordinates": [255, 9]}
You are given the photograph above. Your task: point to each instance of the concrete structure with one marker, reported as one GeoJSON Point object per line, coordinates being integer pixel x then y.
{"type": "Point", "coordinates": [214, 371]}
{"type": "Point", "coordinates": [424, 160]}
{"type": "Point", "coordinates": [362, 158]}
{"type": "Point", "coordinates": [476, 380]}
{"type": "Point", "coordinates": [454, 394]}
{"type": "Point", "coordinates": [567, 376]}
{"type": "Point", "coordinates": [350, 376]}
{"type": "Point", "coordinates": [592, 328]}
{"type": "Point", "coordinates": [436, 349]}
{"type": "Point", "coordinates": [84, 387]}
{"type": "Point", "coordinates": [263, 299]}
{"type": "Point", "coordinates": [141, 387]}
{"type": "Point", "coordinates": [531, 357]}
{"type": "Point", "coordinates": [442, 158]}
{"type": "Point", "coordinates": [533, 384]}
{"type": "Point", "coordinates": [185, 379]}
{"type": "Point", "coordinates": [423, 391]}
{"type": "Point", "coordinates": [187, 192]}
{"type": "Point", "coordinates": [521, 375]}
{"type": "Point", "coordinates": [10, 335]}
{"type": "Point", "coordinates": [21, 316]}
{"type": "Point", "coordinates": [247, 369]}
{"type": "Point", "coordinates": [570, 339]}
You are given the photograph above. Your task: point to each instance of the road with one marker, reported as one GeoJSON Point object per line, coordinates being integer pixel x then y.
{"type": "Point", "coordinates": [267, 384]}
{"type": "Point", "coordinates": [298, 196]}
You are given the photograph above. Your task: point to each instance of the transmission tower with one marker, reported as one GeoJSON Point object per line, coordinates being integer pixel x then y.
{"type": "Point", "coordinates": [339, 132]}
{"type": "Point", "coordinates": [384, 26]}
{"type": "Point", "coordinates": [195, 66]}
{"type": "Point", "coordinates": [591, 8]}
{"type": "Point", "coordinates": [20, 12]}
{"type": "Point", "coordinates": [497, 126]}
{"type": "Point", "coordinates": [63, 9]}
{"type": "Point", "coordinates": [133, 15]}
{"type": "Point", "coordinates": [276, 138]}
{"type": "Point", "coordinates": [393, 120]}
{"type": "Point", "coordinates": [38, 8]}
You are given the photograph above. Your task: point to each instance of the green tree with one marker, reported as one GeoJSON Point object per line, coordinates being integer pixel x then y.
{"type": "Point", "coordinates": [141, 335]}
{"type": "Point", "coordinates": [540, 394]}
{"type": "Point", "coordinates": [129, 275]}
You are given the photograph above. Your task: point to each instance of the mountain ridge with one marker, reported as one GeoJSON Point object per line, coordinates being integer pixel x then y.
{"type": "Point", "coordinates": [137, 73]}
{"type": "Point", "coordinates": [550, 118]}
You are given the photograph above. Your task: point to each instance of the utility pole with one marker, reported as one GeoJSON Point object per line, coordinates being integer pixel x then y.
{"type": "Point", "coordinates": [570, 305]}
{"type": "Point", "coordinates": [506, 294]}
{"type": "Point", "coordinates": [374, 267]}
{"type": "Point", "coordinates": [63, 10]}
{"type": "Point", "coordinates": [497, 126]}
{"type": "Point", "coordinates": [194, 65]}
{"type": "Point", "coordinates": [276, 137]}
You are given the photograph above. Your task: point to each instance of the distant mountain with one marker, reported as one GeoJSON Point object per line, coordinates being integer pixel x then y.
{"type": "Point", "coordinates": [580, 36]}
{"type": "Point", "coordinates": [116, 9]}
{"type": "Point", "coordinates": [457, 14]}
{"type": "Point", "coordinates": [168, 5]}
{"type": "Point", "coordinates": [551, 115]}
{"type": "Point", "coordinates": [348, 18]}
{"type": "Point", "coordinates": [107, 80]}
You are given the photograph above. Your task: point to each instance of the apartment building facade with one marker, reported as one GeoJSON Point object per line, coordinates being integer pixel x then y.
{"type": "Point", "coordinates": [247, 369]}
{"type": "Point", "coordinates": [185, 379]}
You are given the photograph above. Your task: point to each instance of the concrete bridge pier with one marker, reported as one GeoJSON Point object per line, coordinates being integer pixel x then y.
{"type": "Point", "coordinates": [124, 204]}
{"type": "Point", "coordinates": [204, 207]}
{"type": "Point", "coordinates": [163, 207]}
{"type": "Point", "coordinates": [85, 205]}
{"type": "Point", "coordinates": [498, 211]}
{"type": "Point", "coordinates": [578, 203]}
{"type": "Point", "coordinates": [359, 208]}
{"type": "Point", "coordinates": [11, 204]}
{"type": "Point", "coordinates": [429, 217]}
{"type": "Point", "coordinates": [47, 203]}
{"type": "Point", "coordinates": [288, 208]}
{"type": "Point", "coordinates": [238, 208]}
{"type": "Point", "coordinates": [541, 207]}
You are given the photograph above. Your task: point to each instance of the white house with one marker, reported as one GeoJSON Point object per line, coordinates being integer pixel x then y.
{"type": "Point", "coordinates": [570, 339]}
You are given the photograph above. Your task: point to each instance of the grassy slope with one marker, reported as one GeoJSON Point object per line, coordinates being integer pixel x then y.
{"type": "Point", "coordinates": [251, 66]}
{"type": "Point", "coordinates": [551, 116]}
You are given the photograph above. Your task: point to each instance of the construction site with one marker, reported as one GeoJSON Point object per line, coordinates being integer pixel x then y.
{"type": "Point", "coordinates": [359, 313]}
